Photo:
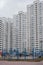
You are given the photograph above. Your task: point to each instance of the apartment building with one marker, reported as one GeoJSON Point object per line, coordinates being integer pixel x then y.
{"type": "Point", "coordinates": [20, 31]}
{"type": "Point", "coordinates": [35, 25]}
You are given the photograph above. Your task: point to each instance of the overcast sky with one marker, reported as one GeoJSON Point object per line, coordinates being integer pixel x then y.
{"type": "Point", "coordinates": [10, 7]}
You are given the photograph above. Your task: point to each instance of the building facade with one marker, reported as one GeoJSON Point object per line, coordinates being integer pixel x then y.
{"type": "Point", "coordinates": [35, 20]}
{"type": "Point", "coordinates": [1, 35]}
{"type": "Point", "coordinates": [20, 30]}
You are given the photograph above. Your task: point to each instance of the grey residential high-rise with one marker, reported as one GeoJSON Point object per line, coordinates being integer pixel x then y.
{"type": "Point", "coordinates": [5, 34]}
{"type": "Point", "coordinates": [1, 34]}
{"type": "Point", "coordinates": [35, 25]}
{"type": "Point", "coordinates": [20, 30]}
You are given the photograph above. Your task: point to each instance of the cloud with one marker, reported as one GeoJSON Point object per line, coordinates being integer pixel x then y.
{"type": "Point", "coordinates": [10, 7]}
{"type": "Point", "coordinates": [2, 3]}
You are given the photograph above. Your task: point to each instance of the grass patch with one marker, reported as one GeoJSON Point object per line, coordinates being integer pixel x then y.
{"type": "Point", "coordinates": [27, 60]}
